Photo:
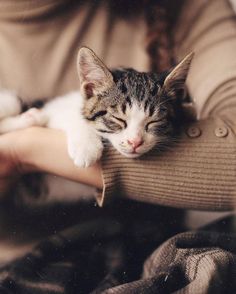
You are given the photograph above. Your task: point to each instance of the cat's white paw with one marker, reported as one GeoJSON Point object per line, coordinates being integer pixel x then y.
{"type": "Point", "coordinates": [84, 154]}
{"type": "Point", "coordinates": [33, 117]}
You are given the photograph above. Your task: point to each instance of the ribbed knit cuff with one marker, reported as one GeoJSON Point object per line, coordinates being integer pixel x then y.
{"type": "Point", "coordinates": [110, 163]}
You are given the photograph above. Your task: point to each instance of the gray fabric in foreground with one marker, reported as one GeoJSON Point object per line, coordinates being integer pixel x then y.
{"type": "Point", "coordinates": [101, 256]}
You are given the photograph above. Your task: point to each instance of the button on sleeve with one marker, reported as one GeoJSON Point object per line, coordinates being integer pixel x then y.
{"type": "Point", "coordinates": [193, 132]}
{"type": "Point", "coordinates": [221, 132]}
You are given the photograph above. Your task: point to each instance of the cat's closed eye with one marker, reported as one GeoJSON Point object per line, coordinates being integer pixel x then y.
{"type": "Point", "coordinates": [151, 124]}
{"type": "Point", "coordinates": [124, 123]}
{"type": "Point", "coordinates": [112, 125]}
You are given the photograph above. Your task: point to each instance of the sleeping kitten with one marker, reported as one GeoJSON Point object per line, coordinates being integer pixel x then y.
{"type": "Point", "coordinates": [134, 111]}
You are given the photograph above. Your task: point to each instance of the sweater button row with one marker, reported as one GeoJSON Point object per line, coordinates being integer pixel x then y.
{"type": "Point", "coordinates": [194, 132]}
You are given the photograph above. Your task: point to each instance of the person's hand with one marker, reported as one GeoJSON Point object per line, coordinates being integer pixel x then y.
{"type": "Point", "coordinates": [40, 150]}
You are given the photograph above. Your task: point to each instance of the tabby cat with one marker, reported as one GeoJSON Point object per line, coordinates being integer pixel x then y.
{"type": "Point", "coordinates": [134, 111]}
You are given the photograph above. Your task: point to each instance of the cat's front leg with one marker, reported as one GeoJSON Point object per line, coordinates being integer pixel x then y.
{"type": "Point", "coordinates": [84, 146]}
{"type": "Point", "coordinates": [32, 117]}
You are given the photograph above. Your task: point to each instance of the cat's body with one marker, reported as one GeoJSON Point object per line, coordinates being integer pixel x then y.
{"type": "Point", "coordinates": [134, 111]}
{"type": "Point", "coordinates": [63, 113]}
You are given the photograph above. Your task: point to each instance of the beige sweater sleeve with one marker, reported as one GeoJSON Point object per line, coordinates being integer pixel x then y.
{"type": "Point", "coordinates": [199, 171]}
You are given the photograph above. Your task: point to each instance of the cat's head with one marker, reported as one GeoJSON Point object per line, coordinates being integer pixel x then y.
{"type": "Point", "coordinates": [135, 111]}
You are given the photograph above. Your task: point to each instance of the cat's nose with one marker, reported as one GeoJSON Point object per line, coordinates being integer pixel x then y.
{"type": "Point", "coordinates": [135, 143]}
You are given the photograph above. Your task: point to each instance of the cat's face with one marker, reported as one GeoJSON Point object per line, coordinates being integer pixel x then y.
{"type": "Point", "coordinates": [134, 111]}
{"type": "Point", "coordinates": [132, 133]}
{"type": "Point", "coordinates": [138, 131]}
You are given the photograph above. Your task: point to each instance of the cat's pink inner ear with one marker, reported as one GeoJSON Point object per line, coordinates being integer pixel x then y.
{"type": "Point", "coordinates": [91, 69]}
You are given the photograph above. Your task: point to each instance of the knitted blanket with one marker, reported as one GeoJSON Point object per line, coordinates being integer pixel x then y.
{"type": "Point", "coordinates": [128, 253]}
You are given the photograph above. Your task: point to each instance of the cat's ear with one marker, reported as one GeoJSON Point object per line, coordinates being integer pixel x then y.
{"type": "Point", "coordinates": [94, 76]}
{"type": "Point", "coordinates": [175, 80]}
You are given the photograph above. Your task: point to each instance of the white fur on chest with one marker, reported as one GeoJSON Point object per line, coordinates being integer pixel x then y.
{"type": "Point", "coordinates": [64, 112]}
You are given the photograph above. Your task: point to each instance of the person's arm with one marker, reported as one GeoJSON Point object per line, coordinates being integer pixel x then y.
{"type": "Point", "coordinates": [45, 150]}
{"type": "Point", "coordinates": [40, 149]}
